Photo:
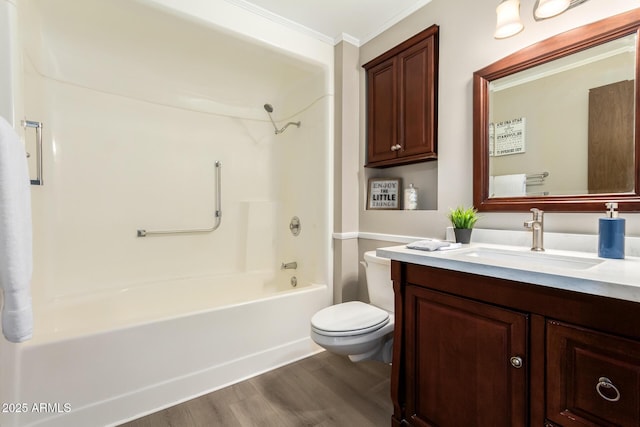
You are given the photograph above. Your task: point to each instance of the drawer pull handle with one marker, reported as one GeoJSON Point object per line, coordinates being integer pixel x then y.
{"type": "Point", "coordinates": [516, 362]}
{"type": "Point", "coordinates": [605, 383]}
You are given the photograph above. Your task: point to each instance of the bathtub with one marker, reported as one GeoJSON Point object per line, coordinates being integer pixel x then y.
{"type": "Point", "coordinates": [134, 124]}
{"type": "Point", "coordinates": [104, 359]}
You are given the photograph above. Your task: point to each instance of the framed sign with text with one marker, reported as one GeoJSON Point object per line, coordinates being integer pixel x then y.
{"type": "Point", "coordinates": [384, 193]}
{"type": "Point", "coordinates": [508, 137]}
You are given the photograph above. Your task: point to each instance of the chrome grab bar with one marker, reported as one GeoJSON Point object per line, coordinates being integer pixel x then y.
{"type": "Point", "coordinates": [218, 214]}
{"type": "Point", "coordinates": [38, 128]}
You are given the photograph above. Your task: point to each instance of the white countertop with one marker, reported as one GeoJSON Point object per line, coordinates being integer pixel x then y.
{"type": "Point", "coordinates": [614, 278]}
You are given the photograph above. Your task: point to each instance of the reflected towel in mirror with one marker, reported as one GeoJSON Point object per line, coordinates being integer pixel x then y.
{"type": "Point", "coordinates": [514, 185]}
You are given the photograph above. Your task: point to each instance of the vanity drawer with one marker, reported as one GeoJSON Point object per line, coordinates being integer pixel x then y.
{"type": "Point", "coordinates": [593, 379]}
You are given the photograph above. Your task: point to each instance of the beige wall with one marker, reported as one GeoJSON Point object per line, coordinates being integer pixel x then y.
{"type": "Point", "coordinates": [466, 45]}
{"type": "Point", "coordinates": [346, 161]}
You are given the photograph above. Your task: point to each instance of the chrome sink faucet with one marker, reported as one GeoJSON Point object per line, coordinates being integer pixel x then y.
{"type": "Point", "coordinates": [537, 226]}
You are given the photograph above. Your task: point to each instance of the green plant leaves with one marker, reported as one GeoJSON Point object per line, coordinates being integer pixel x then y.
{"type": "Point", "coordinates": [462, 217]}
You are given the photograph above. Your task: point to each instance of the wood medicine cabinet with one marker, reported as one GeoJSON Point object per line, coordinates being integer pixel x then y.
{"type": "Point", "coordinates": [402, 101]}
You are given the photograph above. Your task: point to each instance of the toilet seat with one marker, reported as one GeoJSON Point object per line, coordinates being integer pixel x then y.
{"type": "Point", "coordinates": [349, 319]}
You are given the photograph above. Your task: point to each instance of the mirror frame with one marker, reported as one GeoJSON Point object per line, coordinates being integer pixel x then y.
{"type": "Point", "coordinates": [548, 50]}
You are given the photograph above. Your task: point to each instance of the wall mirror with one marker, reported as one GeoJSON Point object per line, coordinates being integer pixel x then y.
{"type": "Point", "coordinates": [555, 125]}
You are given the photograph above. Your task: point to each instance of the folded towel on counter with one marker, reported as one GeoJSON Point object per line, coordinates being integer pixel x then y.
{"type": "Point", "coordinates": [433, 245]}
{"type": "Point", "coordinates": [15, 237]}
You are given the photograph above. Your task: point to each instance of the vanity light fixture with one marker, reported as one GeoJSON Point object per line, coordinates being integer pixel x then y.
{"type": "Point", "coordinates": [547, 8]}
{"type": "Point", "coordinates": [508, 14]}
{"type": "Point", "coordinates": [509, 22]}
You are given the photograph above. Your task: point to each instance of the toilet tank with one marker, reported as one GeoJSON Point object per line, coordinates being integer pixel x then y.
{"type": "Point", "coordinates": [379, 284]}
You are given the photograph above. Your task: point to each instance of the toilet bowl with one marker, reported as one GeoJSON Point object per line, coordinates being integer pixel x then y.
{"type": "Point", "coordinates": [356, 329]}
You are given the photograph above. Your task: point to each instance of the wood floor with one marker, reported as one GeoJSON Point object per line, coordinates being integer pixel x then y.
{"type": "Point", "coordinates": [324, 390]}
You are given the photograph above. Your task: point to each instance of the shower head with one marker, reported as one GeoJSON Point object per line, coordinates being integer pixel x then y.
{"type": "Point", "coordinates": [269, 109]}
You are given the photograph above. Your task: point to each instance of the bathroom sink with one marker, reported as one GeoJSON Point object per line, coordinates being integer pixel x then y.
{"type": "Point", "coordinates": [532, 259]}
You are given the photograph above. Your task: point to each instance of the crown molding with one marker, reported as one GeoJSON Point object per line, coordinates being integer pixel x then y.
{"type": "Point", "coordinates": [247, 5]}
{"type": "Point", "coordinates": [394, 20]}
{"type": "Point", "coordinates": [344, 37]}
{"type": "Point", "coordinates": [281, 20]}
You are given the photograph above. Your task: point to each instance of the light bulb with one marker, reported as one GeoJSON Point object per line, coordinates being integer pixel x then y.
{"type": "Point", "coordinates": [548, 8]}
{"type": "Point", "coordinates": [508, 19]}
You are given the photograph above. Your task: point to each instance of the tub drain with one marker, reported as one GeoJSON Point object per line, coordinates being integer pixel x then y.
{"type": "Point", "coordinates": [294, 281]}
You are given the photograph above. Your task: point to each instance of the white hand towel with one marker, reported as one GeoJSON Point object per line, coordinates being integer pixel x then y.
{"type": "Point", "coordinates": [15, 237]}
{"type": "Point", "coordinates": [510, 185]}
{"type": "Point", "coordinates": [433, 245]}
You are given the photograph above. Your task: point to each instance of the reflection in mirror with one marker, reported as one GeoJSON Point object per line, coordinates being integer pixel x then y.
{"type": "Point", "coordinates": [555, 124]}
{"type": "Point", "coordinates": [565, 127]}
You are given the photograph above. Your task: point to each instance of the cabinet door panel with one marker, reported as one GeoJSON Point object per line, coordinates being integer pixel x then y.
{"type": "Point", "coordinates": [402, 87]}
{"type": "Point", "coordinates": [458, 362]}
{"type": "Point", "coordinates": [417, 100]}
{"type": "Point", "coordinates": [581, 363]}
{"type": "Point", "coordinates": [382, 112]}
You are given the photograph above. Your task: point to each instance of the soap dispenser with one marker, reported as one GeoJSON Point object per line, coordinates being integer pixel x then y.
{"type": "Point", "coordinates": [611, 234]}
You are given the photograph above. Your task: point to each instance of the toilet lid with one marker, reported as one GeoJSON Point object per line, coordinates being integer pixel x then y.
{"type": "Point", "coordinates": [349, 318]}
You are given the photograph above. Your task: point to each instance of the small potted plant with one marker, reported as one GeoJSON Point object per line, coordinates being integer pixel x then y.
{"type": "Point", "coordinates": [463, 220]}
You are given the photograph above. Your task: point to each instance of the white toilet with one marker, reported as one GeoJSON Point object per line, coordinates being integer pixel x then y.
{"type": "Point", "coordinates": [356, 329]}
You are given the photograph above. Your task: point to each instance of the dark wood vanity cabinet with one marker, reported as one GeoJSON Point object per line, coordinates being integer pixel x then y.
{"type": "Point", "coordinates": [456, 356]}
{"type": "Point", "coordinates": [593, 378]}
{"type": "Point", "coordinates": [472, 350]}
{"type": "Point", "coordinates": [402, 102]}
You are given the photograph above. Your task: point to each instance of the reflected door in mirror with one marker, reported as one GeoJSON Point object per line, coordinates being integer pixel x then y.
{"type": "Point", "coordinates": [611, 166]}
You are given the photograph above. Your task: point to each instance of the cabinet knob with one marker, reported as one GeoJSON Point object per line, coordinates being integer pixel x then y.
{"type": "Point", "coordinates": [516, 362]}
{"type": "Point", "coordinates": [605, 384]}
{"type": "Point", "coordinates": [396, 147]}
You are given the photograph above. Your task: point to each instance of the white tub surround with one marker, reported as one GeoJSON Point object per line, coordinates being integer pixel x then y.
{"type": "Point", "coordinates": [134, 121]}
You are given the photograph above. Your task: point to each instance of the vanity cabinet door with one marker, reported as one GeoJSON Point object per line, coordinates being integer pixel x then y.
{"type": "Point", "coordinates": [593, 379]}
{"type": "Point", "coordinates": [466, 362]}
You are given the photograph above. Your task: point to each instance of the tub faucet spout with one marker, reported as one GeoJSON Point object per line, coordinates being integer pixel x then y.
{"type": "Point", "coordinates": [289, 266]}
